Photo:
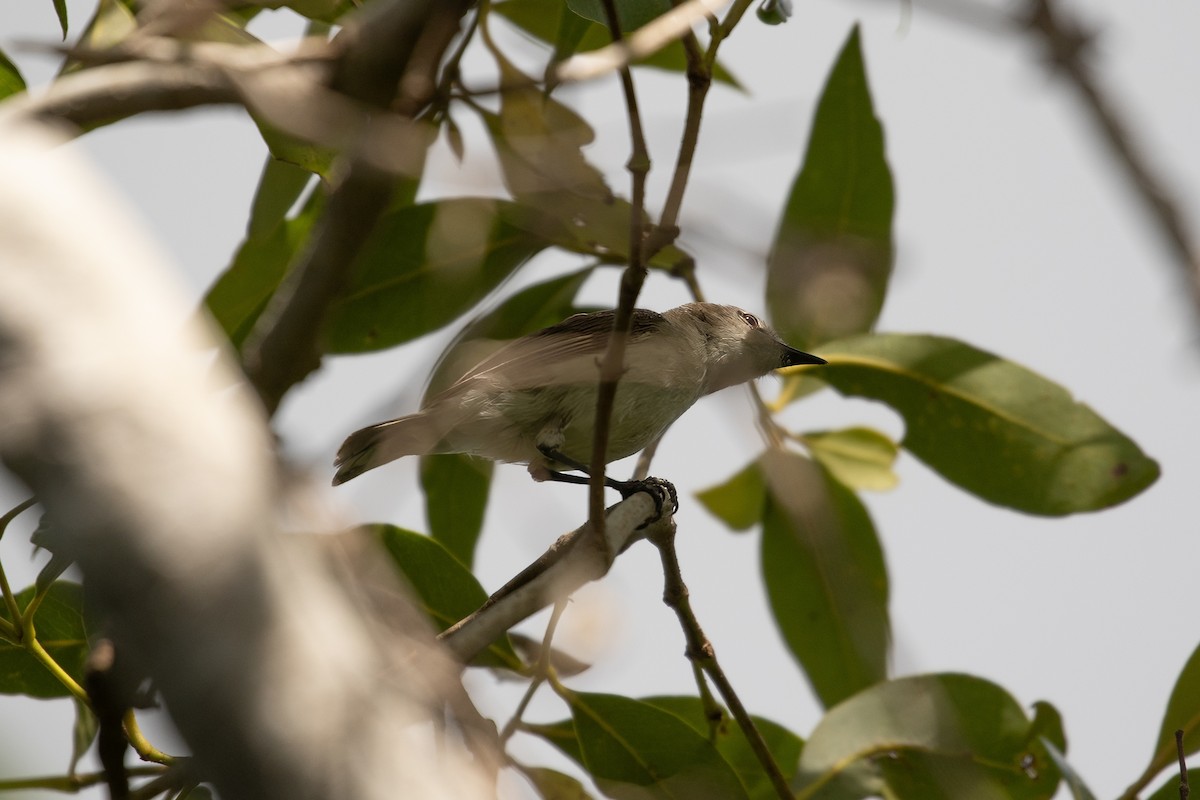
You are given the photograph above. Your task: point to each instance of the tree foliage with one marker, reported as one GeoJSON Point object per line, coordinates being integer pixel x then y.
{"type": "Point", "coordinates": [989, 426]}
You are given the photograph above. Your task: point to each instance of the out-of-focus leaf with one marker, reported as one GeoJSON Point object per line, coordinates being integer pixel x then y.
{"type": "Point", "coordinates": [60, 629]}
{"type": "Point", "coordinates": [1048, 724]}
{"type": "Point", "coordinates": [825, 577]}
{"type": "Point", "coordinates": [456, 494]}
{"type": "Point", "coordinates": [635, 750]}
{"type": "Point", "coordinates": [83, 733]}
{"type": "Point", "coordinates": [925, 738]}
{"type": "Point", "coordinates": [243, 289]}
{"type": "Point", "coordinates": [423, 267]}
{"type": "Point", "coordinates": [198, 792]}
{"type": "Point", "coordinates": [553, 785]}
{"type": "Point", "coordinates": [550, 21]}
{"type": "Point", "coordinates": [112, 21]}
{"type": "Point", "coordinates": [739, 501]}
{"type": "Point", "coordinates": [11, 81]}
{"type": "Point", "coordinates": [530, 649]}
{"type": "Point", "coordinates": [991, 426]}
{"type": "Point", "coordinates": [861, 458]}
{"type": "Point", "coordinates": [828, 269]}
{"type": "Point", "coordinates": [447, 590]}
{"type": "Point", "coordinates": [529, 310]}
{"type": "Point", "coordinates": [279, 187]}
{"type": "Point", "coordinates": [732, 744]}
{"type": "Point", "coordinates": [539, 143]}
{"type": "Point", "coordinates": [1170, 789]}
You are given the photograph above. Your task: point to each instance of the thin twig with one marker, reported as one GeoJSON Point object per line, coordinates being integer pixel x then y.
{"type": "Point", "coordinates": [701, 652]}
{"type": "Point", "coordinates": [541, 671]}
{"type": "Point", "coordinates": [613, 364]}
{"type": "Point", "coordinates": [1184, 789]}
{"type": "Point", "coordinates": [72, 783]}
{"type": "Point", "coordinates": [648, 39]}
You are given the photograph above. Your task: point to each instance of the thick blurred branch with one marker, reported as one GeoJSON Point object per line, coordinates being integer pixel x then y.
{"type": "Point", "coordinates": [160, 482]}
{"type": "Point", "coordinates": [1069, 43]}
{"type": "Point", "coordinates": [389, 59]}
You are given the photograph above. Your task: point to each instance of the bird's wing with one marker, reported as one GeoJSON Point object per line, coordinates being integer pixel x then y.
{"type": "Point", "coordinates": [557, 353]}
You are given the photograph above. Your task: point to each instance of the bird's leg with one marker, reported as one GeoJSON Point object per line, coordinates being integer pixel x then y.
{"type": "Point", "coordinates": [652, 486]}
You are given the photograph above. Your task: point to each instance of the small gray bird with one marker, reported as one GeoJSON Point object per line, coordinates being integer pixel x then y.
{"type": "Point", "coordinates": [533, 401]}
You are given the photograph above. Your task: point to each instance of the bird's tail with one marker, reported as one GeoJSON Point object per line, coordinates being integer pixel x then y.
{"type": "Point", "coordinates": [376, 445]}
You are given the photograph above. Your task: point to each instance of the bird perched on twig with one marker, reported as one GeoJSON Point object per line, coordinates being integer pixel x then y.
{"type": "Point", "coordinates": [533, 401]}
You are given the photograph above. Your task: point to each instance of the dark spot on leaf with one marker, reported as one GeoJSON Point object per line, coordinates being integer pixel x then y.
{"type": "Point", "coordinates": [1120, 470]}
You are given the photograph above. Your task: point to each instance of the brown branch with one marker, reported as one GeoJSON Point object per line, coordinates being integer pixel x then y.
{"type": "Point", "coordinates": [1069, 43]}
{"type": "Point", "coordinates": [702, 653]}
{"type": "Point", "coordinates": [1184, 789]}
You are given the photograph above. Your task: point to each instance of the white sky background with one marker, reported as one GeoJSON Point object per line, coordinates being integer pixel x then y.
{"type": "Point", "coordinates": [1015, 233]}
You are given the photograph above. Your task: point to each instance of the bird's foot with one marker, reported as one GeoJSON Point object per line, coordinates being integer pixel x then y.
{"type": "Point", "coordinates": [658, 489]}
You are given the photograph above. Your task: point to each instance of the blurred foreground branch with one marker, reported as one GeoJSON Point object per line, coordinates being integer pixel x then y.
{"type": "Point", "coordinates": [1069, 43]}
{"type": "Point", "coordinates": [160, 481]}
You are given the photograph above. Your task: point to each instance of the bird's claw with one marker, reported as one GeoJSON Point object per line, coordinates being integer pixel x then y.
{"type": "Point", "coordinates": [657, 488]}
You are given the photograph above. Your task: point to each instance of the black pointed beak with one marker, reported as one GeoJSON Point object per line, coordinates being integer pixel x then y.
{"type": "Point", "coordinates": [793, 357]}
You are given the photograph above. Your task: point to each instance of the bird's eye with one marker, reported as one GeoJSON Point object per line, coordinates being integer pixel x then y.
{"type": "Point", "coordinates": [751, 320]}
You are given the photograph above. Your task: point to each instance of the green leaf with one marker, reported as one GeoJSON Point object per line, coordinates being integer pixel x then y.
{"type": "Point", "coordinates": [829, 266]}
{"type": "Point", "coordinates": [561, 734]}
{"type": "Point", "coordinates": [1183, 713]}
{"type": "Point", "coordinates": [60, 630]}
{"type": "Point", "coordinates": [83, 733]}
{"type": "Point", "coordinates": [733, 746]}
{"type": "Point", "coordinates": [861, 458]}
{"type": "Point", "coordinates": [739, 501]}
{"type": "Point", "coordinates": [60, 9]}
{"type": "Point", "coordinates": [287, 149]}
{"type": "Point", "coordinates": [553, 785]}
{"type": "Point", "coordinates": [825, 577]}
{"type": "Point", "coordinates": [456, 494]}
{"type": "Point", "coordinates": [632, 14]}
{"type": "Point", "coordinates": [774, 12]}
{"type": "Point", "coordinates": [11, 81]}
{"type": "Point", "coordinates": [244, 288]}
{"type": "Point", "coordinates": [994, 428]}
{"type": "Point", "coordinates": [634, 750]}
{"type": "Point", "coordinates": [927, 737]}
{"type": "Point", "coordinates": [1170, 789]}
{"type": "Point", "coordinates": [551, 22]}
{"type": "Point", "coordinates": [447, 590]}
{"type": "Point", "coordinates": [423, 267]}
{"type": "Point", "coordinates": [279, 187]}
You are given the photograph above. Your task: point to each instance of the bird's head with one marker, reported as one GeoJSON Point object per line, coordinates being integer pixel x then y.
{"type": "Point", "coordinates": [738, 346]}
